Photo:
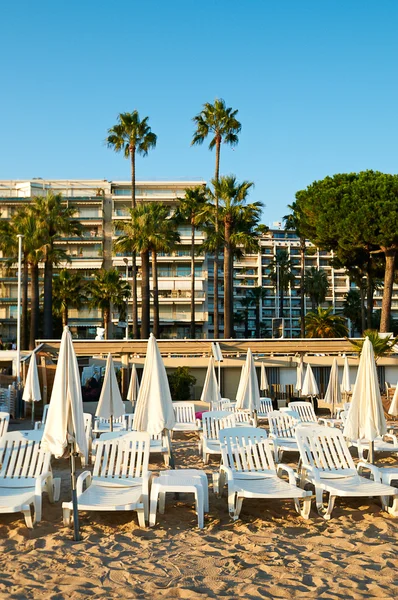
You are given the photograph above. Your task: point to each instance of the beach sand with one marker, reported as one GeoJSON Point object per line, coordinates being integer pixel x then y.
{"type": "Point", "coordinates": [269, 553]}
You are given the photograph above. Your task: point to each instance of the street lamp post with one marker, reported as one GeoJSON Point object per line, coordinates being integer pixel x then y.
{"type": "Point", "coordinates": [19, 236]}
{"type": "Point", "coordinates": [126, 262]}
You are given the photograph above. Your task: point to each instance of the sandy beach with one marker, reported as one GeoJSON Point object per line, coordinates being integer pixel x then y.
{"type": "Point", "coordinates": [269, 553]}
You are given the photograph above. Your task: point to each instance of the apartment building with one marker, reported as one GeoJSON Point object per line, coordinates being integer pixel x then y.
{"type": "Point", "coordinates": [101, 204]}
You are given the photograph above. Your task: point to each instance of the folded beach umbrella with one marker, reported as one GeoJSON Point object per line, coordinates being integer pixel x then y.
{"type": "Point", "coordinates": [299, 375]}
{"type": "Point", "coordinates": [365, 418]}
{"type": "Point", "coordinates": [211, 391]}
{"type": "Point", "coordinates": [134, 386]}
{"type": "Point", "coordinates": [110, 404]}
{"type": "Point", "coordinates": [333, 392]}
{"type": "Point", "coordinates": [154, 411]}
{"type": "Point", "coordinates": [310, 387]}
{"type": "Point", "coordinates": [249, 393]}
{"type": "Point", "coordinates": [393, 410]}
{"type": "Point", "coordinates": [64, 433]}
{"type": "Point", "coordinates": [31, 391]}
{"type": "Point", "coordinates": [346, 384]}
{"type": "Point", "coordinates": [241, 382]}
{"type": "Point", "coordinates": [263, 379]}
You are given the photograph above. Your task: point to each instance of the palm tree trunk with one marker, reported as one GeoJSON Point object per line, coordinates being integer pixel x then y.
{"type": "Point", "coordinates": [369, 292]}
{"type": "Point", "coordinates": [227, 282]}
{"type": "Point", "coordinates": [363, 310]}
{"type": "Point", "coordinates": [302, 292]}
{"type": "Point", "coordinates": [107, 313]}
{"type": "Point", "coordinates": [281, 302]}
{"type": "Point", "coordinates": [247, 323]}
{"type": "Point", "coordinates": [65, 316]}
{"type": "Point", "coordinates": [216, 315]}
{"type": "Point", "coordinates": [34, 305]}
{"type": "Point", "coordinates": [192, 332]}
{"type": "Point", "coordinates": [24, 320]}
{"type": "Point", "coordinates": [134, 267]}
{"type": "Point", "coordinates": [145, 308]}
{"type": "Point", "coordinates": [48, 298]}
{"type": "Point", "coordinates": [390, 254]}
{"type": "Point", "coordinates": [231, 284]}
{"type": "Point", "coordinates": [313, 304]}
{"type": "Point", "coordinates": [155, 290]}
{"type": "Point", "coordinates": [257, 318]}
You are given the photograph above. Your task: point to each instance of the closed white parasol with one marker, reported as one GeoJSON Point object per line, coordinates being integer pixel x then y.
{"type": "Point", "coordinates": [333, 392]}
{"type": "Point", "coordinates": [248, 397]}
{"type": "Point", "coordinates": [211, 391]}
{"type": "Point", "coordinates": [31, 391]}
{"type": "Point", "coordinates": [110, 404]}
{"type": "Point", "coordinates": [134, 386]}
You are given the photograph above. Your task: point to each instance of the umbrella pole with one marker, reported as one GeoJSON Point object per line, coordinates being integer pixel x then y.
{"type": "Point", "coordinates": [172, 461]}
{"type": "Point", "coordinates": [76, 535]}
{"type": "Point", "coordinates": [371, 455]}
{"type": "Point", "coordinates": [111, 423]}
{"type": "Point", "coordinates": [255, 417]}
{"type": "Point", "coordinates": [33, 414]}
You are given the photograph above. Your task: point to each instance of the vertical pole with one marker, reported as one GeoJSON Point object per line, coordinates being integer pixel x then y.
{"type": "Point", "coordinates": [74, 494]}
{"type": "Point", "coordinates": [19, 236]}
{"type": "Point", "coordinates": [127, 301]}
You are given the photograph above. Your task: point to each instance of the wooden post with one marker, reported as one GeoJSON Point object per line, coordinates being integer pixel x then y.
{"type": "Point", "coordinates": [44, 379]}
{"type": "Point", "coordinates": [125, 374]}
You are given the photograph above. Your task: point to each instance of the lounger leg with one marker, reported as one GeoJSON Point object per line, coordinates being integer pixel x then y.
{"type": "Point", "coordinates": [231, 504]}
{"type": "Point", "coordinates": [66, 517]}
{"type": "Point", "coordinates": [221, 483]}
{"type": "Point", "coordinates": [27, 512]}
{"type": "Point", "coordinates": [199, 501]}
{"type": "Point", "coordinates": [385, 502]}
{"type": "Point", "coordinates": [166, 458]}
{"type": "Point", "coordinates": [329, 509]}
{"type": "Point", "coordinates": [306, 509]}
{"type": "Point", "coordinates": [238, 507]}
{"type": "Point", "coordinates": [319, 500]}
{"type": "Point", "coordinates": [205, 458]}
{"type": "Point", "coordinates": [56, 488]}
{"type": "Point", "coordinates": [162, 502]}
{"type": "Point", "coordinates": [141, 517]}
{"type": "Point", "coordinates": [153, 504]}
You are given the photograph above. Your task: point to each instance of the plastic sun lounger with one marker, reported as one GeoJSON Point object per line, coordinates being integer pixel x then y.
{"type": "Point", "coordinates": [328, 465]}
{"type": "Point", "coordinates": [282, 427]}
{"type": "Point", "coordinates": [249, 469]}
{"type": "Point", "coordinates": [25, 473]}
{"type": "Point", "coordinates": [120, 479]}
{"type": "Point", "coordinates": [212, 422]}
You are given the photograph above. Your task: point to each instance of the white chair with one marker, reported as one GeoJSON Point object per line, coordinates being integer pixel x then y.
{"type": "Point", "coordinates": [4, 422]}
{"type": "Point", "coordinates": [102, 425]}
{"type": "Point", "coordinates": [120, 479]}
{"type": "Point", "coordinates": [328, 465]}
{"type": "Point", "coordinates": [282, 426]}
{"type": "Point", "coordinates": [305, 411]}
{"type": "Point", "coordinates": [387, 444]}
{"type": "Point", "coordinates": [250, 472]}
{"type": "Point", "coordinates": [266, 407]}
{"type": "Point", "coordinates": [40, 424]}
{"type": "Point", "coordinates": [219, 404]}
{"type": "Point", "coordinates": [229, 406]}
{"type": "Point", "coordinates": [243, 418]}
{"type": "Point", "coordinates": [185, 417]}
{"type": "Point", "coordinates": [25, 473]}
{"type": "Point", "coordinates": [212, 422]}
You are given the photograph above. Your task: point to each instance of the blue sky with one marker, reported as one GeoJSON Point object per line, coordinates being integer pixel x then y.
{"type": "Point", "coordinates": [315, 83]}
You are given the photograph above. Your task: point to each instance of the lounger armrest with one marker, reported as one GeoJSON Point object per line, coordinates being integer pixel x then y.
{"type": "Point", "coordinates": [227, 471]}
{"type": "Point", "coordinates": [39, 482]}
{"type": "Point", "coordinates": [81, 479]}
{"type": "Point", "coordinates": [391, 437]}
{"type": "Point", "coordinates": [199, 423]}
{"type": "Point", "coordinates": [37, 425]}
{"type": "Point", "coordinates": [375, 472]}
{"type": "Point", "coordinates": [285, 468]}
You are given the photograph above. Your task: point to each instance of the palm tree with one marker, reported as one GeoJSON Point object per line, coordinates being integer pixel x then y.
{"type": "Point", "coordinates": [322, 323]}
{"type": "Point", "coordinates": [256, 295]}
{"type": "Point", "coordinates": [106, 289]}
{"type": "Point", "coordinates": [281, 275]}
{"type": "Point", "coordinates": [316, 286]}
{"type": "Point", "coordinates": [132, 136]}
{"type": "Point", "coordinates": [243, 314]}
{"type": "Point", "coordinates": [239, 222]}
{"type": "Point", "coordinates": [191, 208]}
{"type": "Point", "coordinates": [381, 346]}
{"type": "Point", "coordinates": [292, 223]}
{"type": "Point", "coordinates": [68, 291]}
{"type": "Point", "coordinates": [54, 219]}
{"type": "Point", "coordinates": [221, 124]}
{"type": "Point", "coordinates": [33, 243]}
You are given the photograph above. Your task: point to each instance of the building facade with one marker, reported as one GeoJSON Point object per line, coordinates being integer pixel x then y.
{"type": "Point", "coordinates": [101, 204]}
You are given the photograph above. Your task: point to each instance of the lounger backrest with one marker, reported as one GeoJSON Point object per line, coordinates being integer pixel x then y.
{"type": "Point", "coordinates": [184, 412]}
{"type": "Point", "coordinates": [120, 420]}
{"type": "Point", "coordinates": [4, 422]}
{"type": "Point", "coordinates": [246, 449]}
{"type": "Point", "coordinates": [305, 410]}
{"type": "Point", "coordinates": [281, 424]}
{"type": "Point", "coordinates": [266, 406]}
{"type": "Point", "coordinates": [324, 448]}
{"type": "Point", "coordinates": [229, 406]}
{"type": "Point", "coordinates": [123, 457]}
{"type": "Point", "coordinates": [22, 458]}
{"type": "Point", "coordinates": [219, 404]}
{"type": "Point", "coordinates": [243, 416]}
{"type": "Point", "coordinates": [214, 420]}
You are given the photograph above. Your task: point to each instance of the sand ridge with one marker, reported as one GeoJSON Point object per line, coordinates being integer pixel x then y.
{"type": "Point", "coordinates": [269, 553]}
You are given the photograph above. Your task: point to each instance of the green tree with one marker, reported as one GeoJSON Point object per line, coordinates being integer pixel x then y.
{"type": "Point", "coordinates": [132, 135]}
{"type": "Point", "coordinates": [322, 323]}
{"type": "Point", "coordinates": [54, 218]}
{"type": "Point", "coordinates": [257, 295]}
{"type": "Point", "coordinates": [281, 275]}
{"type": "Point", "coordinates": [316, 286]}
{"type": "Point", "coordinates": [352, 309]}
{"type": "Point", "coordinates": [106, 289]}
{"type": "Point", "coordinates": [356, 210]}
{"type": "Point", "coordinates": [239, 222]}
{"type": "Point", "coordinates": [68, 291]}
{"type": "Point", "coordinates": [220, 123]}
{"type": "Point", "coordinates": [192, 209]}
{"type": "Point", "coordinates": [293, 222]}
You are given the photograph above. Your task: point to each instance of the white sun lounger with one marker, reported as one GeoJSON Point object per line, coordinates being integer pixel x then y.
{"type": "Point", "coordinates": [4, 422]}
{"type": "Point", "coordinates": [120, 479]}
{"type": "Point", "coordinates": [266, 408]}
{"type": "Point", "coordinates": [25, 473]}
{"type": "Point", "coordinates": [328, 465]}
{"type": "Point", "coordinates": [282, 426]}
{"type": "Point", "coordinates": [185, 417]}
{"type": "Point", "coordinates": [250, 472]}
{"type": "Point", "coordinates": [305, 411]}
{"type": "Point", "coordinates": [212, 422]}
